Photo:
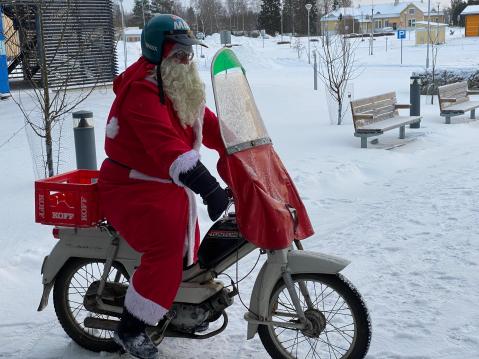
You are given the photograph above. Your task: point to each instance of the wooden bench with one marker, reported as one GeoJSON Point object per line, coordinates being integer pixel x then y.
{"type": "Point", "coordinates": [454, 100]}
{"type": "Point", "coordinates": [372, 116]}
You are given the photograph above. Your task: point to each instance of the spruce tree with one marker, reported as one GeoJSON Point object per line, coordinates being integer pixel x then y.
{"type": "Point", "coordinates": [162, 6]}
{"type": "Point", "coordinates": [269, 17]}
{"type": "Point", "coordinates": [138, 11]}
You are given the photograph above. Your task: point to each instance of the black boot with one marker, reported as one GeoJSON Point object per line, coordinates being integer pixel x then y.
{"type": "Point", "coordinates": [132, 337]}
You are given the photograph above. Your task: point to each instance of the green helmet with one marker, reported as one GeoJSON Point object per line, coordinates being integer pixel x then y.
{"type": "Point", "coordinates": [161, 28]}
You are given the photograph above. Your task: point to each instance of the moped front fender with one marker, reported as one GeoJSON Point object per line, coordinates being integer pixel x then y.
{"type": "Point", "coordinates": [89, 243]}
{"type": "Point", "coordinates": [297, 262]}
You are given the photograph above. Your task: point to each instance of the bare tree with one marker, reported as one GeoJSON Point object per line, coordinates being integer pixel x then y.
{"type": "Point", "coordinates": [337, 68]}
{"type": "Point", "coordinates": [53, 66]}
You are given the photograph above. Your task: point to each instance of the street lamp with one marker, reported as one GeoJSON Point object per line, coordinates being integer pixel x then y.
{"type": "Point", "coordinates": [308, 7]}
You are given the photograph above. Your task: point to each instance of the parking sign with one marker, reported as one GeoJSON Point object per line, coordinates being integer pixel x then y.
{"type": "Point", "coordinates": [401, 34]}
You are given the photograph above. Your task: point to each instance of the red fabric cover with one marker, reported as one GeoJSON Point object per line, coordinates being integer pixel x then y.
{"type": "Point", "coordinates": [151, 216]}
{"type": "Point", "coordinates": [262, 190]}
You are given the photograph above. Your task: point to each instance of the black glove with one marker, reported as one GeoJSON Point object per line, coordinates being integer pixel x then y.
{"type": "Point", "coordinates": [200, 181]}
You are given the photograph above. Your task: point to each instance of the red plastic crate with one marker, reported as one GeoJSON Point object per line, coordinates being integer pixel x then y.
{"type": "Point", "coordinates": [69, 199]}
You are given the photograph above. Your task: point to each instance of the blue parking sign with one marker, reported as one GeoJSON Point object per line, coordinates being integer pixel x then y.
{"type": "Point", "coordinates": [401, 34]}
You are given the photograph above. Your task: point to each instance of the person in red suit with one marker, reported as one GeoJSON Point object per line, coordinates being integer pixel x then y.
{"type": "Point", "coordinates": [147, 184]}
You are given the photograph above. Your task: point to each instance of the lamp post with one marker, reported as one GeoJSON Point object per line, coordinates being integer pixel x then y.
{"type": "Point", "coordinates": [123, 32]}
{"type": "Point", "coordinates": [308, 7]}
{"type": "Point", "coordinates": [428, 33]}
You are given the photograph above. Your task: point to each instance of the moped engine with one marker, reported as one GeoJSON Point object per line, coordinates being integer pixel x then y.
{"type": "Point", "coordinates": [191, 318]}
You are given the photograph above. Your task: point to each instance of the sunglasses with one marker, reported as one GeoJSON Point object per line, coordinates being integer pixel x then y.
{"type": "Point", "coordinates": [183, 56]}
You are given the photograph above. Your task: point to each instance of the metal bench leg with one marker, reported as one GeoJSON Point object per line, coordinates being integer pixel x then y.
{"type": "Point", "coordinates": [364, 142]}
{"type": "Point", "coordinates": [448, 120]}
{"type": "Point", "coordinates": [473, 114]}
{"type": "Point", "coordinates": [402, 132]}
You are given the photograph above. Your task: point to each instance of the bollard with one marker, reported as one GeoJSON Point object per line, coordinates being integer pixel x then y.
{"type": "Point", "coordinates": [315, 67]}
{"type": "Point", "coordinates": [415, 99]}
{"type": "Point", "coordinates": [84, 134]}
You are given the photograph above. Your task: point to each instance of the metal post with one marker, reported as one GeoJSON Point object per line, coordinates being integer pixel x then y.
{"type": "Point", "coordinates": [315, 67]}
{"type": "Point", "coordinates": [4, 87]}
{"type": "Point", "coordinates": [308, 8]}
{"type": "Point", "coordinates": [282, 7]}
{"type": "Point", "coordinates": [123, 32]}
{"type": "Point", "coordinates": [401, 50]}
{"type": "Point", "coordinates": [428, 29]}
{"type": "Point", "coordinates": [84, 134]}
{"type": "Point", "coordinates": [415, 99]}
{"type": "Point", "coordinates": [143, 12]}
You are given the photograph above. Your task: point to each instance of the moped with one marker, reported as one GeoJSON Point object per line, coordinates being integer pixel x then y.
{"type": "Point", "coordinates": [300, 305]}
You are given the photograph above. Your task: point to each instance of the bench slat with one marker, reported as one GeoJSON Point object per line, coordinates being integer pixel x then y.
{"type": "Point", "coordinates": [462, 107]}
{"type": "Point", "coordinates": [388, 124]}
{"type": "Point", "coordinates": [373, 99]}
{"type": "Point", "coordinates": [456, 91]}
{"type": "Point", "coordinates": [381, 107]}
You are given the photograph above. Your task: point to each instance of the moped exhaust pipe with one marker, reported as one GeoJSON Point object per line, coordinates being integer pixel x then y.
{"type": "Point", "coordinates": [103, 324]}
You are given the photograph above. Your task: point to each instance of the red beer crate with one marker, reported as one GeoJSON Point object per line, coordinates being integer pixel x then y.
{"type": "Point", "coordinates": [69, 199]}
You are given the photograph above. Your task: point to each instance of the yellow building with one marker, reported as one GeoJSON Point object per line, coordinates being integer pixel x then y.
{"type": "Point", "coordinates": [471, 14]}
{"type": "Point", "coordinates": [381, 17]}
{"type": "Point", "coordinates": [12, 47]}
{"type": "Point", "coordinates": [436, 34]}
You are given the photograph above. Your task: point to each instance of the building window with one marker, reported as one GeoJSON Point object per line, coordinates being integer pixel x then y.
{"type": "Point", "coordinates": [378, 24]}
{"type": "Point", "coordinates": [412, 11]}
{"type": "Point", "coordinates": [411, 23]}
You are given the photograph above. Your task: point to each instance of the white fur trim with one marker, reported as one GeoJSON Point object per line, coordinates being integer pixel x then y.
{"type": "Point", "coordinates": [143, 308]}
{"type": "Point", "coordinates": [112, 128]}
{"type": "Point", "coordinates": [182, 164]}
{"type": "Point", "coordinates": [198, 130]}
{"type": "Point", "coordinates": [134, 174]}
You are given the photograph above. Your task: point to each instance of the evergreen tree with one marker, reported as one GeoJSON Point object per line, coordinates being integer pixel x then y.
{"type": "Point", "coordinates": [456, 8]}
{"type": "Point", "coordinates": [141, 11]}
{"type": "Point", "coordinates": [269, 17]}
{"type": "Point", "coordinates": [162, 6]}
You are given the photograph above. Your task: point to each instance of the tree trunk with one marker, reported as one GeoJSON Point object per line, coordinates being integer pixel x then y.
{"type": "Point", "coordinates": [49, 148]}
{"type": "Point", "coordinates": [340, 110]}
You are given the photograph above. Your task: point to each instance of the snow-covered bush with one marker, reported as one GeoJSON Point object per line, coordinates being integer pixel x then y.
{"type": "Point", "coordinates": [445, 77]}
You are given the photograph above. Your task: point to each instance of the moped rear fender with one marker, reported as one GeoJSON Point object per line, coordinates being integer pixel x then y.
{"type": "Point", "coordinates": [297, 262]}
{"type": "Point", "coordinates": [90, 243]}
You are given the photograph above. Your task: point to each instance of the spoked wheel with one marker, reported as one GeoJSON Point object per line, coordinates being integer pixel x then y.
{"type": "Point", "coordinates": [339, 320]}
{"type": "Point", "coordinates": [70, 288]}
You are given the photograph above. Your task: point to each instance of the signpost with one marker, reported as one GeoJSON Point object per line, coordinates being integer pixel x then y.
{"type": "Point", "coordinates": [4, 87]}
{"type": "Point", "coordinates": [401, 34]}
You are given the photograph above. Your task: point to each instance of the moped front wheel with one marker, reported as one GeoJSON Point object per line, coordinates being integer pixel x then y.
{"type": "Point", "coordinates": [69, 291]}
{"type": "Point", "coordinates": [339, 324]}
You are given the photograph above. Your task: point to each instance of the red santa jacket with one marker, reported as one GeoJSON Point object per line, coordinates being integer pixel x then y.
{"type": "Point", "coordinates": [146, 136]}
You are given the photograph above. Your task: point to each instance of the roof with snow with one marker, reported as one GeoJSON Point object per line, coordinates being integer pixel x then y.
{"type": "Point", "coordinates": [379, 10]}
{"type": "Point", "coordinates": [132, 31]}
{"type": "Point", "coordinates": [470, 10]}
{"type": "Point", "coordinates": [431, 23]}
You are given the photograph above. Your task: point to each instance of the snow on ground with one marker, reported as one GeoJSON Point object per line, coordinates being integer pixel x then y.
{"type": "Point", "coordinates": [407, 218]}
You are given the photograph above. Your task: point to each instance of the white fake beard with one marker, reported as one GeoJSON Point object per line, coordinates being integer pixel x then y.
{"type": "Point", "coordinates": [183, 86]}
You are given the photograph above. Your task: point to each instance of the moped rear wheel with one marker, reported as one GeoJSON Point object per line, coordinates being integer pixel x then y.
{"type": "Point", "coordinates": [340, 325]}
{"type": "Point", "coordinates": [69, 291]}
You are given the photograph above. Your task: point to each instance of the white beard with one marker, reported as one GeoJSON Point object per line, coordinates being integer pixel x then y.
{"type": "Point", "coordinates": [183, 86]}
